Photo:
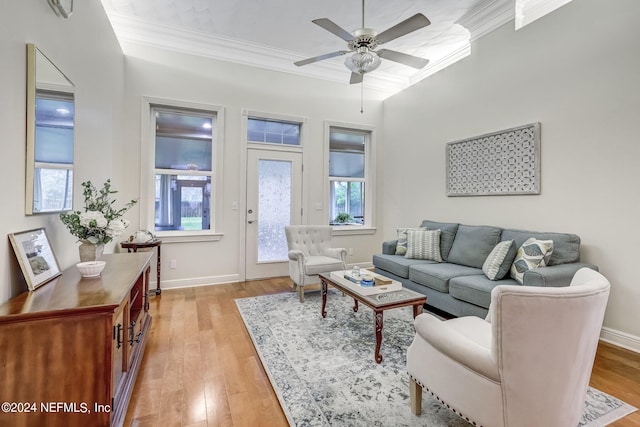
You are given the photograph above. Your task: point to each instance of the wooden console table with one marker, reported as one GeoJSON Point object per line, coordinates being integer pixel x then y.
{"type": "Point", "coordinates": [129, 246]}
{"type": "Point", "coordinates": [70, 351]}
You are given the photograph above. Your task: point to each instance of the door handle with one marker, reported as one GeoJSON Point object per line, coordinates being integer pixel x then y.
{"type": "Point", "coordinates": [250, 222]}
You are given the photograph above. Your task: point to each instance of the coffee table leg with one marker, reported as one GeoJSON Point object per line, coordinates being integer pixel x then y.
{"type": "Point", "coordinates": [324, 298]}
{"type": "Point", "coordinates": [379, 323]}
{"type": "Point", "coordinates": [355, 305]}
{"type": "Point", "coordinates": [417, 309]}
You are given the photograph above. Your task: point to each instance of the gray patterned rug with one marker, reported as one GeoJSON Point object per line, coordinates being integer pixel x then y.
{"type": "Point", "coordinates": [323, 369]}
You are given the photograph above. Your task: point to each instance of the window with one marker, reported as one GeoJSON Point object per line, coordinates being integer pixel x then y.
{"type": "Point", "coordinates": [53, 172]}
{"type": "Point", "coordinates": [184, 159]}
{"type": "Point", "coordinates": [349, 180]}
{"type": "Point", "coordinates": [273, 131]}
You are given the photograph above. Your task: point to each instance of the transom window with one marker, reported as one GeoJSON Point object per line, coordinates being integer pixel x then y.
{"type": "Point", "coordinates": [273, 131]}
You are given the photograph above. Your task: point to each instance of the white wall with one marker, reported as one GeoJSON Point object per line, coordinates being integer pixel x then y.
{"type": "Point", "coordinates": [86, 50]}
{"type": "Point", "coordinates": [163, 74]}
{"type": "Point", "coordinates": [576, 72]}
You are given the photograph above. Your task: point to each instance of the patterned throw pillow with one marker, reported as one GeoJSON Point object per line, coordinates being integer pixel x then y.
{"type": "Point", "coordinates": [401, 246]}
{"type": "Point", "coordinates": [497, 264]}
{"type": "Point", "coordinates": [532, 254]}
{"type": "Point", "coordinates": [423, 244]}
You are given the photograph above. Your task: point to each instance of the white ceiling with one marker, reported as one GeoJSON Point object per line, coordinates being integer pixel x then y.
{"type": "Point", "coordinates": [274, 33]}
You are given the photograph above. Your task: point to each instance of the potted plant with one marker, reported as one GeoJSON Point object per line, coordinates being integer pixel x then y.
{"type": "Point", "coordinates": [99, 223]}
{"type": "Point", "coordinates": [343, 218]}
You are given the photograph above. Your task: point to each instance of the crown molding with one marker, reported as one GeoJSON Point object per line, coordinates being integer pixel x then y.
{"type": "Point", "coordinates": [527, 11]}
{"type": "Point", "coordinates": [136, 31]}
{"type": "Point", "coordinates": [486, 17]}
{"type": "Point", "coordinates": [442, 63]}
{"type": "Point", "coordinates": [483, 19]}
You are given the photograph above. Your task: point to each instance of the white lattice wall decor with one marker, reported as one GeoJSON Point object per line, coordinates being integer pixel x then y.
{"type": "Point", "coordinates": [500, 163]}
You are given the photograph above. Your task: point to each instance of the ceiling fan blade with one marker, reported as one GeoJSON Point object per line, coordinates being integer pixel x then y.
{"type": "Point", "coordinates": [320, 58]}
{"type": "Point", "coordinates": [407, 26]}
{"type": "Point", "coordinates": [334, 28]}
{"type": "Point", "coordinates": [403, 58]}
{"type": "Point", "coordinates": [356, 78]}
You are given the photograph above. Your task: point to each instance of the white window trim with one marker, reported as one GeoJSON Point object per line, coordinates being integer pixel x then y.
{"type": "Point", "coordinates": [147, 172]}
{"type": "Point", "coordinates": [369, 226]}
{"type": "Point", "coordinates": [246, 145]}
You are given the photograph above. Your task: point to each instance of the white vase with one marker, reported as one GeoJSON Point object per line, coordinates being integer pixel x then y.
{"type": "Point", "coordinates": [90, 251]}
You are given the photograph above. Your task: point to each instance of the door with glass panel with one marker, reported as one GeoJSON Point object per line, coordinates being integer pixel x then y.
{"type": "Point", "coordinates": [274, 192]}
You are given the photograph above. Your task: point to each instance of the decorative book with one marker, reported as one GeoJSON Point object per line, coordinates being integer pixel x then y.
{"type": "Point", "coordinates": [349, 276]}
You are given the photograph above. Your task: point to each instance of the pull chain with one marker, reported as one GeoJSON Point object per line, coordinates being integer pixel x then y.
{"type": "Point", "coordinates": [362, 98]}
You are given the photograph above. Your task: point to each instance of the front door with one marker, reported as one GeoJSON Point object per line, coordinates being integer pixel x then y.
{"type": "Point", "coordinates": [274, 193]}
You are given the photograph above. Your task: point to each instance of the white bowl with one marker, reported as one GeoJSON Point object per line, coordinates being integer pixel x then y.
{"type": "Point", "coordinates": [91, 268]}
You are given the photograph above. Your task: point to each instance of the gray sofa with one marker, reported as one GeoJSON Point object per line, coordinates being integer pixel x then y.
{"type": "Point", "coordinates": [458, 285]}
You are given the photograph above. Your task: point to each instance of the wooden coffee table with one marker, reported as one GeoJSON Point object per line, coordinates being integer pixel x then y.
{"type": "Point", "coordinates": [378, 301]}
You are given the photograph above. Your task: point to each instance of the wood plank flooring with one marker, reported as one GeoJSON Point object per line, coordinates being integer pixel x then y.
{"type": "Point", "coordinates": [200, 367]}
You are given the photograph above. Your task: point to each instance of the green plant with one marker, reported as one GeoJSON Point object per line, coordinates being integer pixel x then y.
{"type": "Point", "coordinates": [343, 217]}
{"type": "Point", "coordinates": [100, 222]}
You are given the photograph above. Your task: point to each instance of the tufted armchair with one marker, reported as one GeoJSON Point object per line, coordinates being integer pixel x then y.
{"type": "Point", "coordinates": [310, 253]}
{"type": "Point", "coordinates": [527, 364]}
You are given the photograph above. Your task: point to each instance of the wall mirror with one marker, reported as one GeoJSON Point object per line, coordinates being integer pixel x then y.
{"type": "Point", "coordinates": [50, 124]}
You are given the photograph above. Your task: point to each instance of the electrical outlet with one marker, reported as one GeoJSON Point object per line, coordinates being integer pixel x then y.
{"type": "Point", "coordinates": [173, 264]}
{"type": "Point", "coordinates": [350, 251]}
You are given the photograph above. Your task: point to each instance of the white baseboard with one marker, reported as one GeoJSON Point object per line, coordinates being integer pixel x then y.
{"type": "Point", "coordinates": [217, 280]}
{"type": "Point", "coordinates": [621, 339]}
{"type": "Point", "coordinates": [198, 281]}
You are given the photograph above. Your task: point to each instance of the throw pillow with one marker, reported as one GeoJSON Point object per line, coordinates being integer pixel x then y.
{"type": "Point", "coordinates": [499, 261]}
{"type": "Point", "coordinates": [401, 246]}
{"type": "Point", "coordinates": [532, 254]}
{"type": "Point", "coordinates": [423, 244]}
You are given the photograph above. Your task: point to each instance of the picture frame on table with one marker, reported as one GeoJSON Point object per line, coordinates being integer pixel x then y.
{"type": "Point", "coordinates": [35, 256]}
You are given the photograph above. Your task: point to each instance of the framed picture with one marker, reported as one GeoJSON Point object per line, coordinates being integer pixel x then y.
{"type": "Point", "coordinates": [36, 258]}
{"type": "Point", "coordinates": [506, 162]}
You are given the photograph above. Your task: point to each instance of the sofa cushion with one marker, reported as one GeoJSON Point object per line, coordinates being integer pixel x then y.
{"type": "Point", "coordinates": [397, 264]}
{"type": "Point", "coordinates": [473, 244]}
{"type": "Point", "coordinates": [401, 245]}
{"type": "Point", "coordinates": [475, 289]}
{"type": "Point", "coordinates": [566, 246]}
{"type": "Point", "coordinates": [447, 234]}
{"type": "Point", "coordinates": [437, 276]}
{"type": "Point", "coordinates": [423, 244]}
{"type": "Point", "coordinates": [532, 254]}
{"type": "Point", "coordinates": [499, 261]}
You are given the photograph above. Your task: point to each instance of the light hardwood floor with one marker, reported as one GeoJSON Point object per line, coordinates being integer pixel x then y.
{"type": "Point", "coordinates": [200, 367]}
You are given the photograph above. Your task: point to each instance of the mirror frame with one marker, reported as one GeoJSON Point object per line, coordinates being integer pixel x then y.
{"type": "Point", "coordinates": [32, 86]}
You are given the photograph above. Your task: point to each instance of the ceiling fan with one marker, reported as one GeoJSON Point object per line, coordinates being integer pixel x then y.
{"type": "Point", "coordinates": [364, 42]}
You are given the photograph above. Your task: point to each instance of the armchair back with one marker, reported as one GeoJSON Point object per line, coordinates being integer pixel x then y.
{"type": "Point", "coordinates": [544, 342]}
{"type": "Point", "coordinates": [311, 240]}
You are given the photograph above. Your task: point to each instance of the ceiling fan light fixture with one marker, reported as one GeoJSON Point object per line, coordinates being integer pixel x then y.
{"type": "Point", "coordinates": [362, 62]}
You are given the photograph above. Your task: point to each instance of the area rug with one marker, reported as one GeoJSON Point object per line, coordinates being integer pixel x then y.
{"type": "Point", "coordinates": [323, 371]}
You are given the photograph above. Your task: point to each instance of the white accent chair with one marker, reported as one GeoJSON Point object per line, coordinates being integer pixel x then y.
{"type": "Point", "coordinates": [310, 253]}
{"type": "Point", "coordinates": [527, 364]}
